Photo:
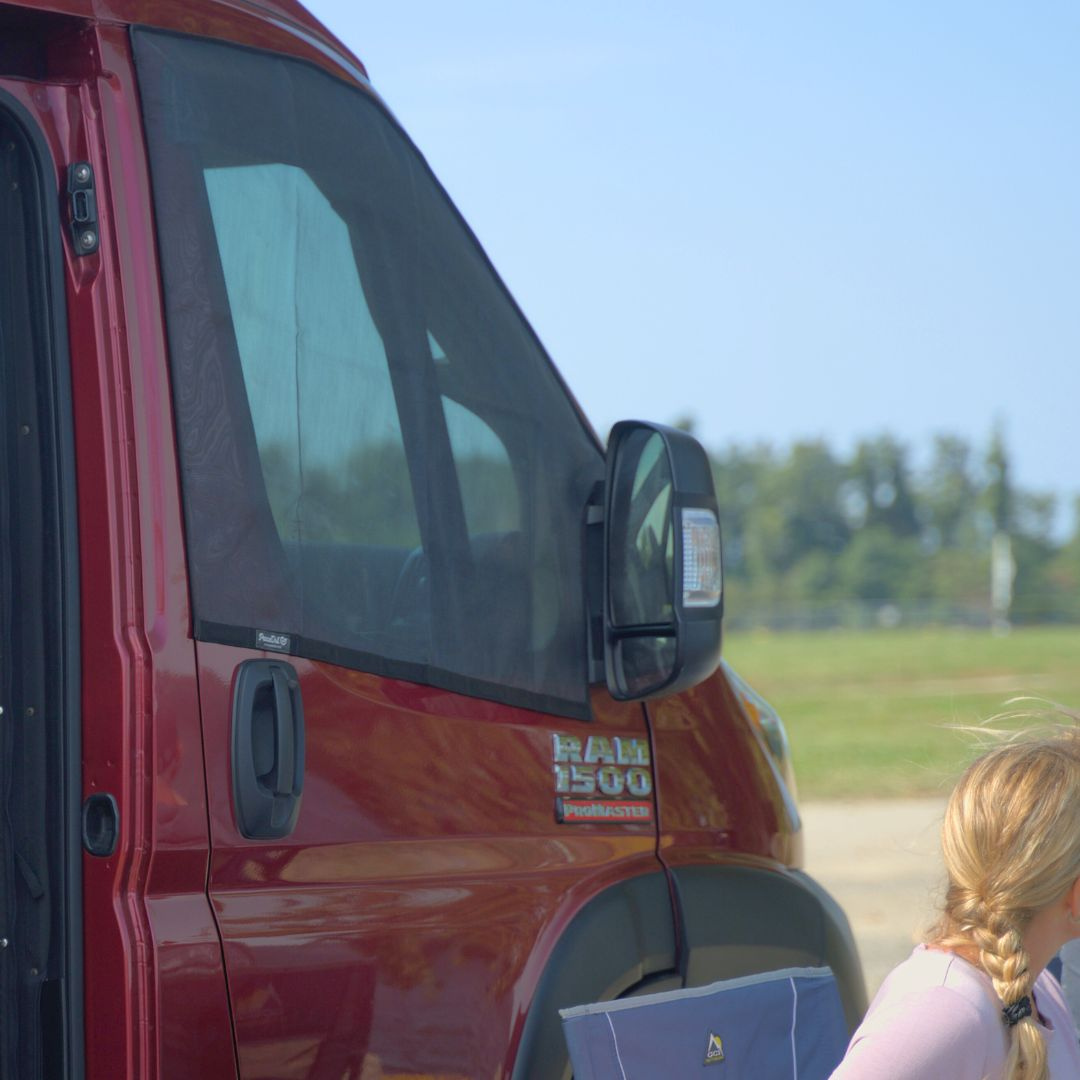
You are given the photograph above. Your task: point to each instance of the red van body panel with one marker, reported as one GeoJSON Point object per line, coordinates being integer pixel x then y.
{"type": "Point", "coordinates": [267, 24]}
{"type": "Point", "coordinates": [154, 951]}
{"type": "Point", "coordinates": [398, 925]}
{"type": "Point", "coordinates": [409, 918]}
{"type": "Point", "coordinates": [719, 795]}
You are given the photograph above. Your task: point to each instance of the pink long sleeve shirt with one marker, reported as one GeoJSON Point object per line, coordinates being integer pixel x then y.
{"type": "Point", "coordinates": [937, 1016]}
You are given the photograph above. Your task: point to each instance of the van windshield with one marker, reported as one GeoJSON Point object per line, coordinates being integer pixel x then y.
{"type": "Point", "coordinates": [379, 464]}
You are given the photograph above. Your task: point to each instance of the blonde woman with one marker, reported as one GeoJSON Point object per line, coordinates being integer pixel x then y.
{"type": "Point", "coordinates": [974, 1002]}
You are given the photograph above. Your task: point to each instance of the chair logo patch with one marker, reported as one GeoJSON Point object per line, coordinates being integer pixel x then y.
{"type": "Point", "coordinates": [714, 1052]}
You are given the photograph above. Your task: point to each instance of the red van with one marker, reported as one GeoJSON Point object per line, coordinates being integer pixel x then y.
{"type": "Point", "coordinates": [359, 710]}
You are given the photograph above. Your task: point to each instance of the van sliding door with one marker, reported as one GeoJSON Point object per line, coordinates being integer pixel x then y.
{"type": "Point", "coordinates": [40, 970]}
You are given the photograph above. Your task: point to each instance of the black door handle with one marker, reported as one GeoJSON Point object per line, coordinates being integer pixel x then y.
{"type": "Point", "coordinates": [267, 748]}
{"type": "Point", "coordinates": [100, 824]}
{"type": "Point", "coordinates": [284, 770]}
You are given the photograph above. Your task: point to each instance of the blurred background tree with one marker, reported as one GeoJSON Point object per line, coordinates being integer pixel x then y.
{"type": "Point", "coordinates": [814, 538]}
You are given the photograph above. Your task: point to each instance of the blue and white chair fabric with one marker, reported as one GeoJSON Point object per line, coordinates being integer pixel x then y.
{"type": "Point", "coordinates": [779, 1025]}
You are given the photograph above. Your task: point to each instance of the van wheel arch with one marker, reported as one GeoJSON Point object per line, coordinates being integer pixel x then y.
{"type": "Point", "coordinates": [621, 938]}
{"type": "Point", "coordinates": [740, 920]}
{"type": "Point", "coordinates": [733, 920]}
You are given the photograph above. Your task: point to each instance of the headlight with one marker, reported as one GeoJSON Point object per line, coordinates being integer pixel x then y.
{"type": "Point", "coordinates": [766, 719]}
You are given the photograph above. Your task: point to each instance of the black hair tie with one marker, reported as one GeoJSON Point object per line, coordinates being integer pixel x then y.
{"type": "Point", "coordinates": [1017, 1011]}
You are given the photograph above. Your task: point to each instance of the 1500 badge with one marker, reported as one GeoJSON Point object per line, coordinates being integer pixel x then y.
{"type": "Point", "coordinates": [611, 777]}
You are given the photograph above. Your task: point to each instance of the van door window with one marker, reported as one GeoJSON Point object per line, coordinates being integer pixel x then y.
{"type": "Point", "coordinates": [380, 466]}
{"type": "Point", "coordinates": [327, 430]}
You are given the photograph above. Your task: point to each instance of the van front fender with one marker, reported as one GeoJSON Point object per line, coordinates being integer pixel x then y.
{"type": "Point", "coordinates": [620, 938]}
{"type": "Point", "coordinates": [740, 920]}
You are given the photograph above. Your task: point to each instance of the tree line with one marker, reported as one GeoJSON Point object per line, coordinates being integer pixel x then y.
{"type": "Point", "coordinates": [811, 536]}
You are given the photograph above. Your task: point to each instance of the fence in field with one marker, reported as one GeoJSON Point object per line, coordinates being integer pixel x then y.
{"type": "Point", "coordinates": [880, 614]}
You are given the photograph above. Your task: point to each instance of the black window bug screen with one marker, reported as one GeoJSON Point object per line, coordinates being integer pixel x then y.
{"type": "Point", "coordinates": [380, 466]}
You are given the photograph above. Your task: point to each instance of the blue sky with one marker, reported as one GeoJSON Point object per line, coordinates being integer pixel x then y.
{"type": "Point", "coordinates": [786, 220]}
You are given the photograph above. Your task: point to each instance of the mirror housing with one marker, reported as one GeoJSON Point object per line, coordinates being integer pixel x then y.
{"type": "Point", "coordinates": [663, 575]}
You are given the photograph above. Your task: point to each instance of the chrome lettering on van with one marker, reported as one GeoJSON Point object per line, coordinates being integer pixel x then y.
{"type": "Point", "coordinates": [568, 811]}
{"type": "Point", "coordinates": [610, 770]}
{"type": "Point", "coordinates": [598, 749]}
{"type": "Point", "coordinates": [264, 639]}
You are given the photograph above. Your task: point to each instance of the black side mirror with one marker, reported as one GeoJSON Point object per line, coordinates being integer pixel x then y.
{"type": "Point", "coordinates": [663, 579]}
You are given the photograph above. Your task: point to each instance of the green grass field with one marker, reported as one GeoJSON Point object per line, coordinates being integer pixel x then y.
{"type": "Point", "coordinates": [871, 714]}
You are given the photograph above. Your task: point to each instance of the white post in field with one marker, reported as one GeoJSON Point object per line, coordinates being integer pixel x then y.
{"type": "Point", "coordinates": [1002, 573]}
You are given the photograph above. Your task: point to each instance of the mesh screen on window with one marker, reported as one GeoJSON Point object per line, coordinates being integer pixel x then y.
{"type": "Point", "coordinates": [378, 461]}
{"type": "Point", "coordinates": [314, 366]}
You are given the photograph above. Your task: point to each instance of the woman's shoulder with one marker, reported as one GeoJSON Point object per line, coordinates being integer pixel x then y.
{"type": "Point", "coordinates": [928, 967]}
{"type": "Point", "coordinates": [961, 992]}
{"type": "Point", "coordinates": [931, 1017]}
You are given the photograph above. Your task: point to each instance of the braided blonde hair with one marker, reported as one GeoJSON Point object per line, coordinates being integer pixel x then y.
{"type": "Point", "coordinates": [1011, 845]}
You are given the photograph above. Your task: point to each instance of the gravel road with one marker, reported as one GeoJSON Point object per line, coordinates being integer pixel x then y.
{"type": "Point", "coordinates": [881, 861]}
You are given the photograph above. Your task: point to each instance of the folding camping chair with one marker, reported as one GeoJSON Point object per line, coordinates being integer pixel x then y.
{"type": "Point", "coordinates": [780, 1025]}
